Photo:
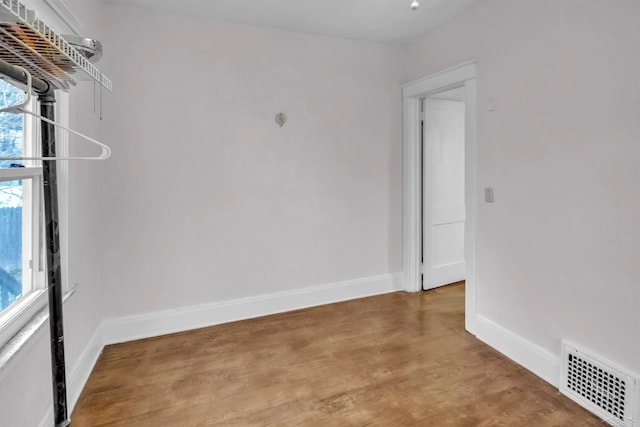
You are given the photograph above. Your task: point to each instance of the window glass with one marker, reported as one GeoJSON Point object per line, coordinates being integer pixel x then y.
{"type": "Point", "coordinates": [11, 254]}
{"type": "Point", "coordinates": [15, 224]}
{"type": "Point", "coordinates": [11, 125]}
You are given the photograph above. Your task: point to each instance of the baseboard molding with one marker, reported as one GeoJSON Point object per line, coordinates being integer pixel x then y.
{"type": "Point", "coordinates": [47, 420]}
{"type": "Point", "coordinates": [82, 370]}
{"type": "Point", "coordinates": [170, 321]}
{"type": "Point", "coordinates": [536, 359]}
{"type": "Point", "coordinates": [79, 375]}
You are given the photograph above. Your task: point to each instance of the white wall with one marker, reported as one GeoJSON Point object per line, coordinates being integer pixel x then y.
{"type": "Point", "coordinates": [26, 389]}
{"type": "Point", "coordinates": [207, 199]}
{"type": "Point", "coordinates": [558, 250]}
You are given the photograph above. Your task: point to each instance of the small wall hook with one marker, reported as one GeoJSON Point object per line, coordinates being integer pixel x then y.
{"type": "Point", "coordinates": [281, 119]}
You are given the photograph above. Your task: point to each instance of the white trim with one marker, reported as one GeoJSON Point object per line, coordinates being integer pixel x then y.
{"type": "Point", "coordinates": [84, 366]}
{"type": "Point", "coordinates": [79, 376]}
{"type": "Point", "coordinates": [15, 317]}
{"type": "Point", "coordinates": [471, 202]}
{"type": "Point", "coordinates": [12, 174]}
{"type": "Point", "coordinates": [62, 150]}
{"type": "Point", "coordinates": [198, 316]}
{"type": "Point", "coordinates": [462, 75]}
{"type": "Point", "coordinates": [28, 334]}
{"type": "Point", "coordinates": [396, 281]}
{"type": "Point", "coordinates": [47, 420]}
{"type": "Point", "coordinates": [536, 359]}
{"type": "Point", "coordinates": [411, 199]}
{"type": "Point", "coordinates": [440, 81]}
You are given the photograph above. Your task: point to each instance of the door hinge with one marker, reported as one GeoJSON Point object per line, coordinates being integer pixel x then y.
{"type": "Point", "coordinates": [421, 268]}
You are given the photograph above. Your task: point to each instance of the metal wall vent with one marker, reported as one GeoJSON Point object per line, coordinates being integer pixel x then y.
{"type": "Point", "coordinates": [607, 391]}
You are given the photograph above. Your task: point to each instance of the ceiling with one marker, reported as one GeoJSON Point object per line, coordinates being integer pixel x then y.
{"type": "Point", "coordinates": [387, 21]}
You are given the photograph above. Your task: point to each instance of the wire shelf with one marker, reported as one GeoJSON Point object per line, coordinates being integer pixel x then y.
{"type": "Point", "coordinates": [28, 42]}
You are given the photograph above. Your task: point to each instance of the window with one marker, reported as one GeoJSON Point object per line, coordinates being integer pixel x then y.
{"type": "Point", "coordinates": [21, 259]}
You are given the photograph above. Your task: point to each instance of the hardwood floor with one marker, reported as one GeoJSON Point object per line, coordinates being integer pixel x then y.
{"type": "Point", "coordinates": [392, 360]}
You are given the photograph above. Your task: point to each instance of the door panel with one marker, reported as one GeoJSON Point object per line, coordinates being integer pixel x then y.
{"type": "Point", "coordinates": [447, 246]}
{"type": "Point", "coordinates": [448, 214]}
{"type": "Point", "coordinates": [444, 205]}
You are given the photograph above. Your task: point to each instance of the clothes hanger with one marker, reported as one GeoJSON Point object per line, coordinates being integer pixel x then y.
{"type": "Point", "coordinates": [20, 109]}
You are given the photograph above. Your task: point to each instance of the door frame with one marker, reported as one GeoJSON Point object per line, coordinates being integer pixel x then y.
{"type": "Point", "coordinates": [463, 75]}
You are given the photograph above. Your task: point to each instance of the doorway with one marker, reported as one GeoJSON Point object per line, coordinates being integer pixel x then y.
{"type": "Point", "coordinates": [463, 79]}
{"type": "Point", "coordinates": [443, 197]}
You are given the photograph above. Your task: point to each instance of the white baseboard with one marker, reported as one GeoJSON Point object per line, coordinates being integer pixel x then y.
{"type": "Point", "coordinates": [82, 370]}
{"type": "Point", "coordinates": [170, 321]}
{"type": "Point", "coordinates": [536, 359]}
{"type": "Point", "coordinates": [79, 375]}
{"type": "Point", "coordinates": [47, 420]}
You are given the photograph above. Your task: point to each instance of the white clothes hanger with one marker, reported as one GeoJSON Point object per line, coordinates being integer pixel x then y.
{"type": "Point", "coordinates": [20, 109]}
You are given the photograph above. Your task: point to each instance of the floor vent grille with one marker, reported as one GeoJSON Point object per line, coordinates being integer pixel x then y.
{"type": "Point", "coordinates": [605, 390]}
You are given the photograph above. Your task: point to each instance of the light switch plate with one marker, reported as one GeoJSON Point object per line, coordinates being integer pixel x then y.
{"type": "Point", "coordinates": [488, 195]}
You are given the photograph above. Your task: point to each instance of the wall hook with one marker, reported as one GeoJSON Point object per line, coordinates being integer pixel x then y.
{"type": "Point", "coordinates": [281, 119]}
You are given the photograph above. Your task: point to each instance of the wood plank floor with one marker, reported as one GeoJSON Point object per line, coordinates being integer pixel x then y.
{"type": "Point", "coordinates": [392, 360]}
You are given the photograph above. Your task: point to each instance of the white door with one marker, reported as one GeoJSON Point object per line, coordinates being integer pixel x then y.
{"type": "Point", "coordinates": [443, 193]}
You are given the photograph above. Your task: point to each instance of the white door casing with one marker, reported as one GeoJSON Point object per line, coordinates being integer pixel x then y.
{"type": "Point", "coordinates": [462, 75]}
